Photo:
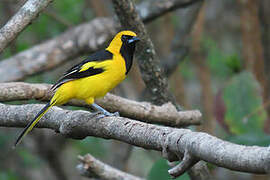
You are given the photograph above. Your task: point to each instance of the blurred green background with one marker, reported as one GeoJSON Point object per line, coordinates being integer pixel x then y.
{"type": "Point", "coordinates": [215, 77]}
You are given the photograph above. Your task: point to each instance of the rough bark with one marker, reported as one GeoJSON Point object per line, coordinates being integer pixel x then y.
{"type": "Point", "coordinates": [93, 168]}
{"type": "Point", "coordinates": [27, 13]}
{"type": "Point", "coordinates": [165, 114]}
{"type": "Point", "coordinates": [175, 143]}
{"type": "Point", "coordinates": [152, 74]}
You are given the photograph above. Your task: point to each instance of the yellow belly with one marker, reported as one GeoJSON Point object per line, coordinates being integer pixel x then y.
{"type": "Point", "coordinates": [91, 87]}
{"type": "Point", "coordinates": [96, 86]}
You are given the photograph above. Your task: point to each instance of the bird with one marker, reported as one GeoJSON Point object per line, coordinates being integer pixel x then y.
{"type": "Point", "coordinates": [93, 77]}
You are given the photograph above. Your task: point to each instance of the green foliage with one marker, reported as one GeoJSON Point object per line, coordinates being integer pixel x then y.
{"type": "Point", "coordinates": [160, 171]}
{"type": "Point", "coordinates": [71, 10]}
{"type": "Point", "coordinates": [221, 65]}
{"type": "Point", "coordinates": [8, 175]}
{"type": "Point", "coordinates": [29, 159]}
{"type": "Point", "coordinates": [242, 98]}
{"type": "Point", "coordinates": [234, 63]}
{"type": "Point", "coordinates": [186, 69]}
{"type": "Point", "coordinates": [92, 145]}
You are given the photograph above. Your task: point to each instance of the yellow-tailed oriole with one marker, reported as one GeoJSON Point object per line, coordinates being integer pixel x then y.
{"type": "Point", "coordinates": [93, 77]}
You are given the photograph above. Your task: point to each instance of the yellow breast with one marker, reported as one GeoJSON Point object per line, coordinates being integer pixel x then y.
{"type": "Point", "coordinates": [96, 86]}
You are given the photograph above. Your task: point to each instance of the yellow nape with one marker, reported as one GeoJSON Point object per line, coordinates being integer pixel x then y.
{"type": "Point", "coordinates": [116, 43]}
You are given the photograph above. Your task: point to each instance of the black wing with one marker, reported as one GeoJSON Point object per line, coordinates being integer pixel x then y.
{"type": "Point", "coordinates": [74, 72]}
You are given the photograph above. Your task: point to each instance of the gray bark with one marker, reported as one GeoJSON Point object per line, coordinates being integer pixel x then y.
{"type": "Point", "coordinates": [28, 12]}
{"type": "Point", "coordinates": [174, 142]}
{"type": "Point", "coordinates": [93, 168]}
{"type": "Point", "coordinates": [152, 74]}
{"type": "Point", "coordinates": [165, 114]}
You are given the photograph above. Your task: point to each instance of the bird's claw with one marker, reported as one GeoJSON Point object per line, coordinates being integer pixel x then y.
{"type": "Point", "coordinates": [108, 114]}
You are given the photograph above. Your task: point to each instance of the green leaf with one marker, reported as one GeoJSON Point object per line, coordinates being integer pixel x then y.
{"type": "Point", "coordinates": [243, 99]}
{"type": "Point", "coordinates": [234, 63]}
{"type": "Point", "coordinates": [160, 171]}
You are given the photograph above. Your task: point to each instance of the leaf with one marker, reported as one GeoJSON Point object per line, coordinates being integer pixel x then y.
{"type": "Point", "coordinates": [160, 171]}
{"type": "Point", "coordinates": [234, 63]}
{"type": "Point", "coordinates": [242, 100]}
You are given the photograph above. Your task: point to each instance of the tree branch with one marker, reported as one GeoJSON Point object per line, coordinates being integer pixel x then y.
{"type": "Point", "coordinates": [165, 114]}
{"type": "Point", "coordinates": [151, 10]}
{"type": "Point", "coordinates": [201, 146]}
{"type": "Point", "coordinates": [152, 74]}
{"type": "Point", "coordinates": [28, 12]}
{"type": "Point", "coordinates": [93, 168]}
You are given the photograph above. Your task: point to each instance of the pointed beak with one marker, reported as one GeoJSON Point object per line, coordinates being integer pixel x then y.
{"type": "Point", "coordinates": [134, 39]}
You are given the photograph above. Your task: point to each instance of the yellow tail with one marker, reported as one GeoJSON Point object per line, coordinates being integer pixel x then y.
{"type": "Point", "coordinates": [30, 126]}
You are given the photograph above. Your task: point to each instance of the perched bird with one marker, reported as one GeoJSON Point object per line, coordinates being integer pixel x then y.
{"type": "Point", "coordinates": [93, 77]}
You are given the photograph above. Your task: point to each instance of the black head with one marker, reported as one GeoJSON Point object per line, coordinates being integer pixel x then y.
{"type": "Point", "coordinates": [127, 39]}
{"type": "Point", "coordinates": [128, 48]}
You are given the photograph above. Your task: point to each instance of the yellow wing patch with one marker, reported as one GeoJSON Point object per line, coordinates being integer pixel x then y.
{"type": "Point", "coordinates": [87, 66]}
{"type": "Point", "coordinates": [98, 64]}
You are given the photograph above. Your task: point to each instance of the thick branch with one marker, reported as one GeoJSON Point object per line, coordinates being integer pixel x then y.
{"type": "Point", "coordinates": [93, 168]}
{"type": "Point", "coordinates": [80, 124]}
{"type": "Point", "coordinates": [28, 12]}
{"type": "Point", "coordinates": [165, 114]}
{"type": "Point", "coordinates": [152, 74]}
{"type": "Point", "coordinates": [151, 71]}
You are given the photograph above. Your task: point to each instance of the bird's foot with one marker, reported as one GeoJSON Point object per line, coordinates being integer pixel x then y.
{"type": "Point", "coordinates": [108, 114]}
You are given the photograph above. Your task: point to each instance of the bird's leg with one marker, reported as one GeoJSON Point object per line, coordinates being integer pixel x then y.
{"type": "Point", "coordinates": [105, 113]}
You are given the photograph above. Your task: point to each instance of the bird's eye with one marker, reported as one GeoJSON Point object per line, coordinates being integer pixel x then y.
{"type": "Point", "coordinates": [124, 38]}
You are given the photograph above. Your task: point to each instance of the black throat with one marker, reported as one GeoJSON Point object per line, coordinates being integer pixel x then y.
{"type": "Point", "coordinates": [127, 51]}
